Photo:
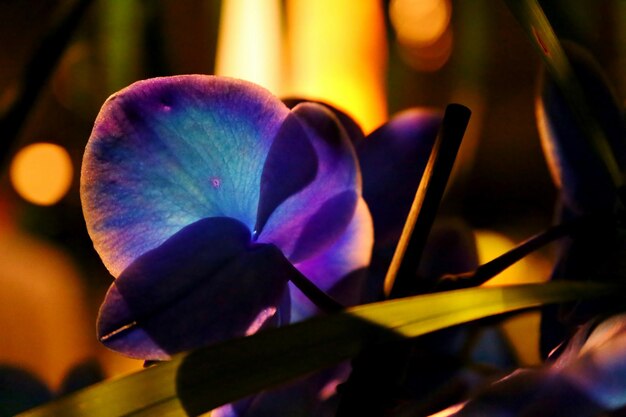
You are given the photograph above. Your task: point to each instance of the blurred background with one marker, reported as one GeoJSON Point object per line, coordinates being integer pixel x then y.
{"type": "Point", "coordinates": [371, 58]}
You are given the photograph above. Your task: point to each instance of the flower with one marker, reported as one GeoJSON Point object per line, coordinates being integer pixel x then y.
{"type": "Point", "coordinates": [199, 194]}
{"type": "Point", "coordinates": [204, 196]}
{"type": "Point", "coordinates": [392, 160]}
{"type": "Point", "coordinates": [586, 380]}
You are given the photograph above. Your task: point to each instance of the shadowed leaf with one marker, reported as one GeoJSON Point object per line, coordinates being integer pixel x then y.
{"type": "Point", "coordinates": [206, 378]}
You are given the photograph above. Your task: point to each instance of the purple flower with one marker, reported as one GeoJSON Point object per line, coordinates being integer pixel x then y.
{"type": "Point", "coordinates": [201, 194]}
{"type": "Point", "coordinates": [392, 160]}
{"type": "Point", "coordinates": [205, 196]}
{"type": "Point", "coordinates": [588, 379]}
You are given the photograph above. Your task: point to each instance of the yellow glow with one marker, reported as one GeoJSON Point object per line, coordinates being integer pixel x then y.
{"type": "Point", "coordinates": [521, 330]}
{"type": "Point", "coordinates": [249, 42]}
{"type": "Point", "coordinates": [491, 245]}
{"type": "Point", "coordinates": [42, 173]}
{"type": "Point", "coordinates": [419, 22]}
{"type": "Point", "coordinates": [338, 55]}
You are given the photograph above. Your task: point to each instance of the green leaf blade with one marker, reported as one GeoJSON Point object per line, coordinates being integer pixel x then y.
{"type": "Point", "coordinates": [117, 397]}
{"type": "Point", "coordinates": [204, 379]}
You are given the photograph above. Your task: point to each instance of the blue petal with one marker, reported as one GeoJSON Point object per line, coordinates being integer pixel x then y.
{"type": "Point", "coordinates": [392, 160]}
{"type": "Point", "coordinates": [167, 152]}
{"type": "Point", "coordinates": [204, 284]}
{"type": "Point", "coordinates": [312, 219]}
{"type": "Point", "coordinates": [585, 183]}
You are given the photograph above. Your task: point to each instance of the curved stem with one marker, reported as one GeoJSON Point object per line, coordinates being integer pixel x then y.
{"type": "Point", "coordinates": [492, 268]}
{"type": "Point", "coordinates": [323, 301]}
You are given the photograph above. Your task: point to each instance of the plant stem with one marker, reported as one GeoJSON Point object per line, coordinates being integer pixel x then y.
{"type": "Point", "coordinates": [323, 301]}
{"type": "Point", "coordinates": [373, 386]}
{"type": "Point", "coordinates": [400, 279]}
{"type": "Point", "coordinates": [492, 268]}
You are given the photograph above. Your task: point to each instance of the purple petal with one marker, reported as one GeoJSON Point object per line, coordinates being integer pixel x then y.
{"type": "Point", "coordinates": [531, 393]}
{"type": "Point", "coordinates": [352, 128]}
{"type": "Point", "coordinates": [586, 380]}
{"type": "Point", "coordinates": [392, 160]}
{"type": "Point", "coordinates": [310, 220]}
{"type": "Point", "coordinates": [204, 284]}
{"type": "Point", "coordinates": [314, 395]}
{"type": "Point", "coordinates": [599, 368]}
{"type": "Point", "coordinates": [575, 168]}
{"type": "Point", "coordinates": [291, 165]}
{"type": "Point", "coordinates": [337, 269]}
{"type": "Point", "coordinates": [167, 152]}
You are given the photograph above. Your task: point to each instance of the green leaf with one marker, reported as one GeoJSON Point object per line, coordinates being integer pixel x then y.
{"type": "Point", "coordinates": [201, 380]}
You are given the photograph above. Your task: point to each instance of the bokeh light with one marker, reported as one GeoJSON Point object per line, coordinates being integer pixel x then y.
{"type": "Point", "coordinates": [41, 173]}
{"type": "Point", "coordinates": [45, 320]}
{"type": "Point", "coordinates": [419, 22]}
{"type": "Point", "coordinates": [423, 32]}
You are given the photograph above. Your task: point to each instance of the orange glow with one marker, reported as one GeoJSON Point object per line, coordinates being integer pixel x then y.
{"type": "Point", "coordinates": [423, 32]}
{"type": "Point", "coordinates": [419, 22]}
{"type": "Point", "coordinates": [522, 330]}
{"type": "Point", "coordinates": [115, 364]}
{"type": "Point", "coordinates": [449, 411]}
{"type": "Point", "coordinates": [338, 55]}
{"type": "Point", "coordinates": [41, 173]}
{"type": "Point", "coordinates": [46, 325]}
{"type": "Point", "coordinates": [249, 42]}
{"type": "Point", "coordinates": [429, 57]}
{"type": "Point", "coordinates": [545, 133]}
